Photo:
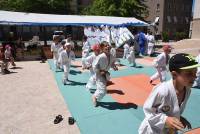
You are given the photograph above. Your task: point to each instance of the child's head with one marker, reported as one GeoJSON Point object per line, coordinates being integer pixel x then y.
{"type": "Point", "coordinates": [113, 45]}
{"type": "Point", "coordinates": [68, 46]}
{"type": "Point", "coordinates": [183, 68]}
{"type": "Point", "coordinates": [96, 49]}
{"type": "Point", "coordinates": [132, 48]}
{"type": "Point", "coordinates": [105, 47]}
{"type": "Point", "coordinates": [7, 47]}
{"type": "Point", "coordinates": [56, 38]}
{"type": "Point", "coordinates": [167, 49]}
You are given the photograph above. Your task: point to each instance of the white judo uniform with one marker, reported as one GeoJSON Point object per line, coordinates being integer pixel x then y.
{"type": "Point", "coordinates": [131, 56]}
{"type": "Point", "coordinates": [8, 54]}
{"type": "Point", "coordinates": [151, 43]}
{"type": "Point", "coordinates": [126, 50]}
{"type": "Point", "coordinates": [162, 102]}
{"type": "Point", "coordinates": [54, 50]}
{"type": "Point", "coordinates": [113, 52]}
{"type": "Point", "coordinates": [102, 62]}
{"type": "Point", "coordinates": [160, 64]}
{"type": "Point", "coordinates": [8, 59]}
{"type": "Point", "coordinates": [85, 53]}
{"type": "Point", "coordinates": [60, 50]}
{"type": "Point", "coordinates": [65, 59]}
{"type": "Point", "coordinates": [92, 80]}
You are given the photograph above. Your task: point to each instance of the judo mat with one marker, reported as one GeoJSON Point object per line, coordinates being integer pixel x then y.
{"type": "Point", "coordinates": [120, 111]}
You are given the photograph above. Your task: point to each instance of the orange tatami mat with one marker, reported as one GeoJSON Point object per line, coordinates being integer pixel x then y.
{"type": "Point", "coordinates": [145, 61]}
{"type": "Point", "coordinates": [193, 131]}
{"type": "Point", "coordinates": [134, 89]}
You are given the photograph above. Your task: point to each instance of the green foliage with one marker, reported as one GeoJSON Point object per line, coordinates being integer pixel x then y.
{"type": "Point", "coordinates": [180, 35]}
{"type": "Point", "coordinates": [122, 8]}
{"type": "Point", "coordinates": [165, 36]}
{"type": "Point", "coordinates": [36, 6]}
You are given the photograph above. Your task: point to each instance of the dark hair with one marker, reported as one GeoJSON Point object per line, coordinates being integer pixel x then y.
{"type": "Point", "coordinates": [113, 44]}
{"type": "Point", "coordinates": [63, 42]}
{"type": "Point", "coordinates": [84, 37]}
{"type": "Point", "coordinates": [104, 43]}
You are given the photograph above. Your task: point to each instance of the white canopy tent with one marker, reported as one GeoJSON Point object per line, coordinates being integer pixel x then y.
{"type": "Point", "coordinates": [34, 19]}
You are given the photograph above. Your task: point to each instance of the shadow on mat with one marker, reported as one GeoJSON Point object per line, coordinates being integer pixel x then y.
{"type": "Point", "coordinates": [116, 105]}
{"type": "Point", "coordinates": [137, 66]}
{"type": "Point", "coordinates": [16, 68]}
{"type": "Point", "coordinates": [11, 72]}
{"type": "Point", "coordinates": [59, 71]}
{"type": "Point", "coordinates": [73, 72]}
{"type": "Point", "coordinates": [75, 83]}
{"type": "Point", "coordinates": [120, 65]}
{"type": "Point", "coordinates": [92, 91]}
{"type": "Point", "coordinates": [114, 91]}
{"type": "Point", "coordinates": [75, 66]}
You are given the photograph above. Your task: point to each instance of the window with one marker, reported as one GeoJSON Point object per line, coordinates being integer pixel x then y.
{"type": "Point", "coordinates": [158, 7]}
{"type": "Point", "coordinates": [175, 19]}
{"type": "Point", "coordinates": [168, 19]}
{"type": "Point", "coordinates": [187, 20]}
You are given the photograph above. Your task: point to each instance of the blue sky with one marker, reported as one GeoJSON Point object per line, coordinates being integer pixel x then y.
{"type": "Point", "coordinates": [193, 5]}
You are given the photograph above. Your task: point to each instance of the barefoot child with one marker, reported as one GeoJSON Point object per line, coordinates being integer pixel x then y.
{"type": "Point", "coordinates": [160, 64]}
{"type": "Point", "coordinates": [8, 58]}
{"type": "Point", "coordinates": [89, 61]}
{"type": "Point", "coordinates": [101, 67]}
{"type": "Point", "coordinates": [131, 56]}
{"type": "Point", "coordinates": [65, 59]}
{"type": "Point", "coordinates": [55, 46]}
{"type": "Point", "coordinates": [85, 51]}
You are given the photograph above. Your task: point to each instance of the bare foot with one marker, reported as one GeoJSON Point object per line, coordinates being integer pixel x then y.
{"type": "Point", "coordinates": [94, 100]}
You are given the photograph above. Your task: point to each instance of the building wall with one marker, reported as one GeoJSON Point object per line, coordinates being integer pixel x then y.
{"type": "Point", "coordinates": [196, 9]}
{"type": "Point", "coordinates": [178, 11]}
{"type": "Point", "coordinates": [196, 29]}
{"type": "Point", "coordinates": [155, 8]}
{"type": "Point", "coordinates": [196, 21]}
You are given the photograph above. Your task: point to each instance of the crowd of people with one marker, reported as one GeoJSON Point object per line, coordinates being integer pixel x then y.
{"type": "Point", "coordinates": [165, 104]}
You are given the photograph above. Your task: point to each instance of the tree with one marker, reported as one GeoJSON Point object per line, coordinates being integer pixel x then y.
{"type": "Point", "coordinates": [121, 8]}
{"type": "Point", "coordinates": [37, 6]}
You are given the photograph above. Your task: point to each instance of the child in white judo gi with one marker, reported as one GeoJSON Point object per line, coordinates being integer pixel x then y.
{"type": "Point", "coordinates": [126, 50]}
{"type": "Point", "coordinates": [197, 81]}
{"type": "Point", "coordinates": [167, 101]}
{"type": "Point", "coordinates": [55, 46]}
{"type": "Point", "coordinates": [60, 50]}
{"type": "Point", "coordinates": [89, 61]}
{"type": "Point", "coordinates": [150, 43]}
{"type": "Point", "coordinates": [113, 52]}
{"type": "Point", "coordinates": [161, 63]}
{"type": "Point", "coordinates": [85, 51]}
{"type": "Point", "coordinates": [8, 58]}
{"type": "Point", "coordinates": [65, 59]}
{"type": "Point", "coordinates": [131, 56]}
{"type": "Point", "coordinates": [101, 67]}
